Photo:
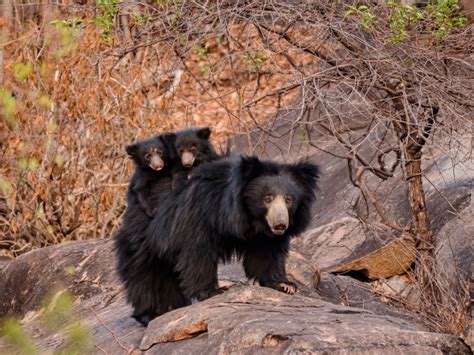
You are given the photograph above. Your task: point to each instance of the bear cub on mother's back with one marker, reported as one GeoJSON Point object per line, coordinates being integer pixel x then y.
{"type": "Point", "coordinates": [154, 159]}
{"type": "Point", "coordinates": [193, 148]}
{"type": "Point", "coordinates": [238, 206]}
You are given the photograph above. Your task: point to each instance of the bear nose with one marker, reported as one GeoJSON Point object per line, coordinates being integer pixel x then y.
{"type": "Point", "coordinates": [280, 226]}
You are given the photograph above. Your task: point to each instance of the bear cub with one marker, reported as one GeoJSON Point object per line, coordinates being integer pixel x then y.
{"type": "Point", "coordinates": [193, 148]}
{"type": "Point", "coordinates": [154, 159]}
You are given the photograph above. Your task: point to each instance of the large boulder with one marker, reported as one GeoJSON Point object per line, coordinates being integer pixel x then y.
{"type": "Point", "coordinates": [245, 319]}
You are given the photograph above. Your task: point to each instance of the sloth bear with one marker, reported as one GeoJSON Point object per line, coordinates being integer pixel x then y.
{"type": "Point", "coordinates": [154, 159]}
{"type": "Point", "coordinates": [158, 170]}
{"type": "Point", "coordinates": [193, 148]}
{"type": "Point", "coordinates": [238, 206]}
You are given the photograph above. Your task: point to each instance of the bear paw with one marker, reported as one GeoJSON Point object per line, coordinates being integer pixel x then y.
{"type": "Point", "coordinates": [287, 287]}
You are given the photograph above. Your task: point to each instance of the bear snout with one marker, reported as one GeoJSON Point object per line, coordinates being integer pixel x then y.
{"type": "Point", "coordinates": [156, 162]}
{"type": "Point", "coordinates": [187, 159]}
{"type": "Point", "coordinates": [277, 216]}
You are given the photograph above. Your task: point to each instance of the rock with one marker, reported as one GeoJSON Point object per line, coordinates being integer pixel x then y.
{"type": "Point", "coordinates": [347, 244]}
{"type": "Point", "coordinates": [345, 290]}
{"type": "Point", "coordinates": [254, 320]}
{"type": "Point", "coordinates": [392, 259]}
{"type": "Point", "coordinates": [86, 268]}
{"type": "Point", "coordinates": [245, 319]}
{"type": "Point", "coordinates": [399, 289]}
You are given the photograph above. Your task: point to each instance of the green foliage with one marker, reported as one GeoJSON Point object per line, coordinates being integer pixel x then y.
{"type": "Point", "coordinates": [21, 70]}
{"type": "Point", "coordinates": [30, 163]}
{"type": "Point", "coordinates": [439, 17]}
{"type": "Point", "coordinates": [402, 17]}
{"type": "Point", "coordinates": [204, 69]}
{"type": "Point", "coordinates": [16, 336]}
{"type": "Point", "coordinates": [71, 269]}
{"type": "Point", "coordinates": [301, 137]}
{"type": "Point", "coordinates": [202, 53]}
{"type": "Point", "coordinates": [109, 9]}
{"type": "Point", "coordinates": [142, 20]}
{"type": "Point", "coordinates": [367, 18]}
{"type": "Point", "coordinates": [68, 31]}
{"type": "Point", "coordinates": [72, 22]}
{"type": "Point", "coordinates": [255, 59]}
{"type": "Point", "coordinates": [446, 15]}
{"type": "Point", "coordinates": [77, 342]}
{"type": "Point", "coordinates": [8, 104]}
{"type": "Point", "coordinates": [6, 191]}
{"type": "Point", "coordinates": [57, 317]}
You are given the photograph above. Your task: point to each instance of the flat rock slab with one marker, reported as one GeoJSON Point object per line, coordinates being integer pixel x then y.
{"type": "Point", "coordinates": [257, 320]}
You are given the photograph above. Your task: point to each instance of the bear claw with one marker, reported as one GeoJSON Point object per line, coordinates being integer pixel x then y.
{"type": "Point", "coordinates": [288, 288]}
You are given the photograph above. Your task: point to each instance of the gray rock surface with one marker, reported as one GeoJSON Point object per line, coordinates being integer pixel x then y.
{"type": "Point", "coordinates": [254, 320]}
{"type": "Point", "coordinates": [246, 319]}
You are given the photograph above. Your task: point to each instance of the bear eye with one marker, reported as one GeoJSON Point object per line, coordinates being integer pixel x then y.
{"type": "Point", "coordinates": [268, 199]}
{"type": "Point", "coordinates": [147, 156]}
{"type": "Point", "coordinates": [193, 148]}
{"type": "Point", "coordinates": [288, 199]}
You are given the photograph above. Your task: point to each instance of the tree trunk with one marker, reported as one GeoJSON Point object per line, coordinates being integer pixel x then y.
{"type": "Point", "coordinates": [416, 197]}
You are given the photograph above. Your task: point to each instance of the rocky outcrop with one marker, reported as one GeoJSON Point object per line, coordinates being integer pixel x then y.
{"type": "Point", "coordinates": [343, 315]}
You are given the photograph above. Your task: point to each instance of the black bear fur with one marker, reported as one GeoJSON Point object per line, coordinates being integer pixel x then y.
{"type": "Point", "coordinates": [146, 189]}
{"type": "Point", "coordinates": [195, 143]}
{"type": "Point", "coordinates": [219, 213]}
{"type": "Point", "coordinates": [148, 182]}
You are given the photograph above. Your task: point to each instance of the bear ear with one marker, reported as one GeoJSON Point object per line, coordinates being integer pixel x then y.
{"type": "Point", "coordinates": [250, 168]}
{"type": "Point", "coordinates": [306, 173]}
{"type": "Point", "coordinates": [169, 137]}
{"type": "Point", "coordinates": [132, 149]}
{"type": "Point", "coordinates": [204, 133]}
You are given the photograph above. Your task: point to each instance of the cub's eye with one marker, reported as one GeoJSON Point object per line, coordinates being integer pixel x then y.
{"type": "Point", "coordinates": [159, 152]}
{"type": "Point", "coordinates": [268, 199]}
{"type": "Point", "coordinates": [288, 199]}
{"type": "Point", "coordinates": [193, 148]}
{"type": "Point", "coordinates": [180, 150]}
{"type": "Point", "coordinates": [147, 156]}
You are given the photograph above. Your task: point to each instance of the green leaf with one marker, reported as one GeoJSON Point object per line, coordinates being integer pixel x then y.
{"type": "Point", "coordinates": [15, 335]}
{"type": "Point", "coordinates": [21, 70]}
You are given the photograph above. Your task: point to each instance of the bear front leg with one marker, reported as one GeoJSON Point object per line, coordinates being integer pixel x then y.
{"type": "Point", "coordinates": [264, 261]}
{"type": "Point", "coordinates": [198, 273]}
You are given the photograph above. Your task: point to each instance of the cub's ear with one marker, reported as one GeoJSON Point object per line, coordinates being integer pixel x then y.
{"type": "Point", "coordinates": [306, 173]}
{"type": "Point", "coordinates": [169, 137]}
{"type": "Point", "coordinates": [132, 149]}
{"type": "Point", "coordinates": [204, 133]}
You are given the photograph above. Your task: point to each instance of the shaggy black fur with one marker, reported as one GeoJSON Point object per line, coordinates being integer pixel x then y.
{"type": "Point", "coordinates": [146, 188]}
{"type": "Point", "coordinates": [147, 182]}
{"type": "Point", "coordinates": [195, 141]}
{"type": "Point", "coordinates": [219, 213]}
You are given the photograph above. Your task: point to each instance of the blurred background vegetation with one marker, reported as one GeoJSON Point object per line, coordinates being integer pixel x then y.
{"type": "Point", "coordinates": [76, 88]}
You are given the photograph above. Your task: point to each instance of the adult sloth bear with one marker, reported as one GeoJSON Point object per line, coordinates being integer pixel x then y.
{"type": "Point", "coordinates": [235, 206]}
